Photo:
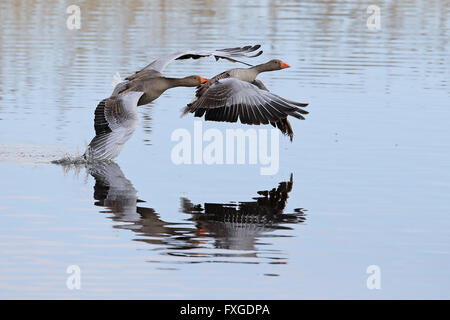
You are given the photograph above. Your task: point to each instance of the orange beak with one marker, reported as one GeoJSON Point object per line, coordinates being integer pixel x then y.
{"type": "Point", "coordinates": [203, 80]}
{"type": "Point", "coordinates": [284, 65]}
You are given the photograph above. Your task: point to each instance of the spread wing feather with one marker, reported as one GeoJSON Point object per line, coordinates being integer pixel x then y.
{"type": "Point", "coordinates": [115, 120]}
{"type": "Point", "coordinates": [229, 54]}
{"type": "Point", "coordinates": [228, 99]}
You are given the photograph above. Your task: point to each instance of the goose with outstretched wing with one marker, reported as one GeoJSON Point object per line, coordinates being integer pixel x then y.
{"type": "Point", "coordinates": [236, 94]}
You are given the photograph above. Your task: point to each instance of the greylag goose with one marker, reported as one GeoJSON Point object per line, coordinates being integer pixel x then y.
{"type": "Point", "coordinates": [236, 94]}
{"type": "Point", "coordinates": [116, 117]}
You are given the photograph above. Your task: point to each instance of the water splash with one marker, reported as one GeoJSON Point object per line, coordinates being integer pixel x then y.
{"type": "Point", "coordinates": [69, 159]}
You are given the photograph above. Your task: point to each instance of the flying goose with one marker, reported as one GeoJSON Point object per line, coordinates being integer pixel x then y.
{"type": "Point", "coordinates": [236, 94]}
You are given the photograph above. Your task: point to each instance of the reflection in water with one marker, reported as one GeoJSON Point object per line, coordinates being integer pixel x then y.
{"type": "Point", "coordinates": [230, 226]}
{"type": "Point", "coordinates": [236, 226]}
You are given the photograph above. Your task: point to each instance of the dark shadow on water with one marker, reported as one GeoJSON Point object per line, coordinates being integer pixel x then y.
{"type": "Point", "coordinates": [235, 232]}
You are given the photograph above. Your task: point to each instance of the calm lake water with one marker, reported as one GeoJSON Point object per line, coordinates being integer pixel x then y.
{"type": "Point", "coordinates": [366, 180]}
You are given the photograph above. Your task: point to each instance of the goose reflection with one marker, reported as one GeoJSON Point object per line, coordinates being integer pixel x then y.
{"type": "Point", "coordinates": [114, 192]}
{"type": "Point", "coordinates": [229, 226]}
{"type": "Point", "coordinates": [237, 226]}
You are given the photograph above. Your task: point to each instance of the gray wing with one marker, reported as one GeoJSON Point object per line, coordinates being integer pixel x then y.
{"type": "Point", "coordinates": [232, 99]}
{"type": "Point", "coordinates": [204, 87]}
{"type": "Point", "coordinates": [115, 121]}
{"type": "Point", "coordinates": [229, 54]}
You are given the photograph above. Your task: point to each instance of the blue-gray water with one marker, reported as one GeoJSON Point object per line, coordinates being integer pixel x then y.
{"type": "Point", "coordinates": [370, 165]}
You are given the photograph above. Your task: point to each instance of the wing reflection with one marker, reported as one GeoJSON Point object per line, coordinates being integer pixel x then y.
{"type": "Point", "coordinates": [238, 226]}
{"type": "Point", "coordinates": [229, 226]}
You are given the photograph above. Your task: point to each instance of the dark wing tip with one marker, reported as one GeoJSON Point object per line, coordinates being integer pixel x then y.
{"type": "Point", "coordinates": [285, 127]}
{"type": "Point", "coordinates": [257, 54]}
{"type": "Point", "coordinates": [186, 110]}
{"type": "Point", "coordinates": [248, 48]}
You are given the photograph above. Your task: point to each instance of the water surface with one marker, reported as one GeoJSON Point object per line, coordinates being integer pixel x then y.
{"type": "Point", "coordinates": [365, 181]}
